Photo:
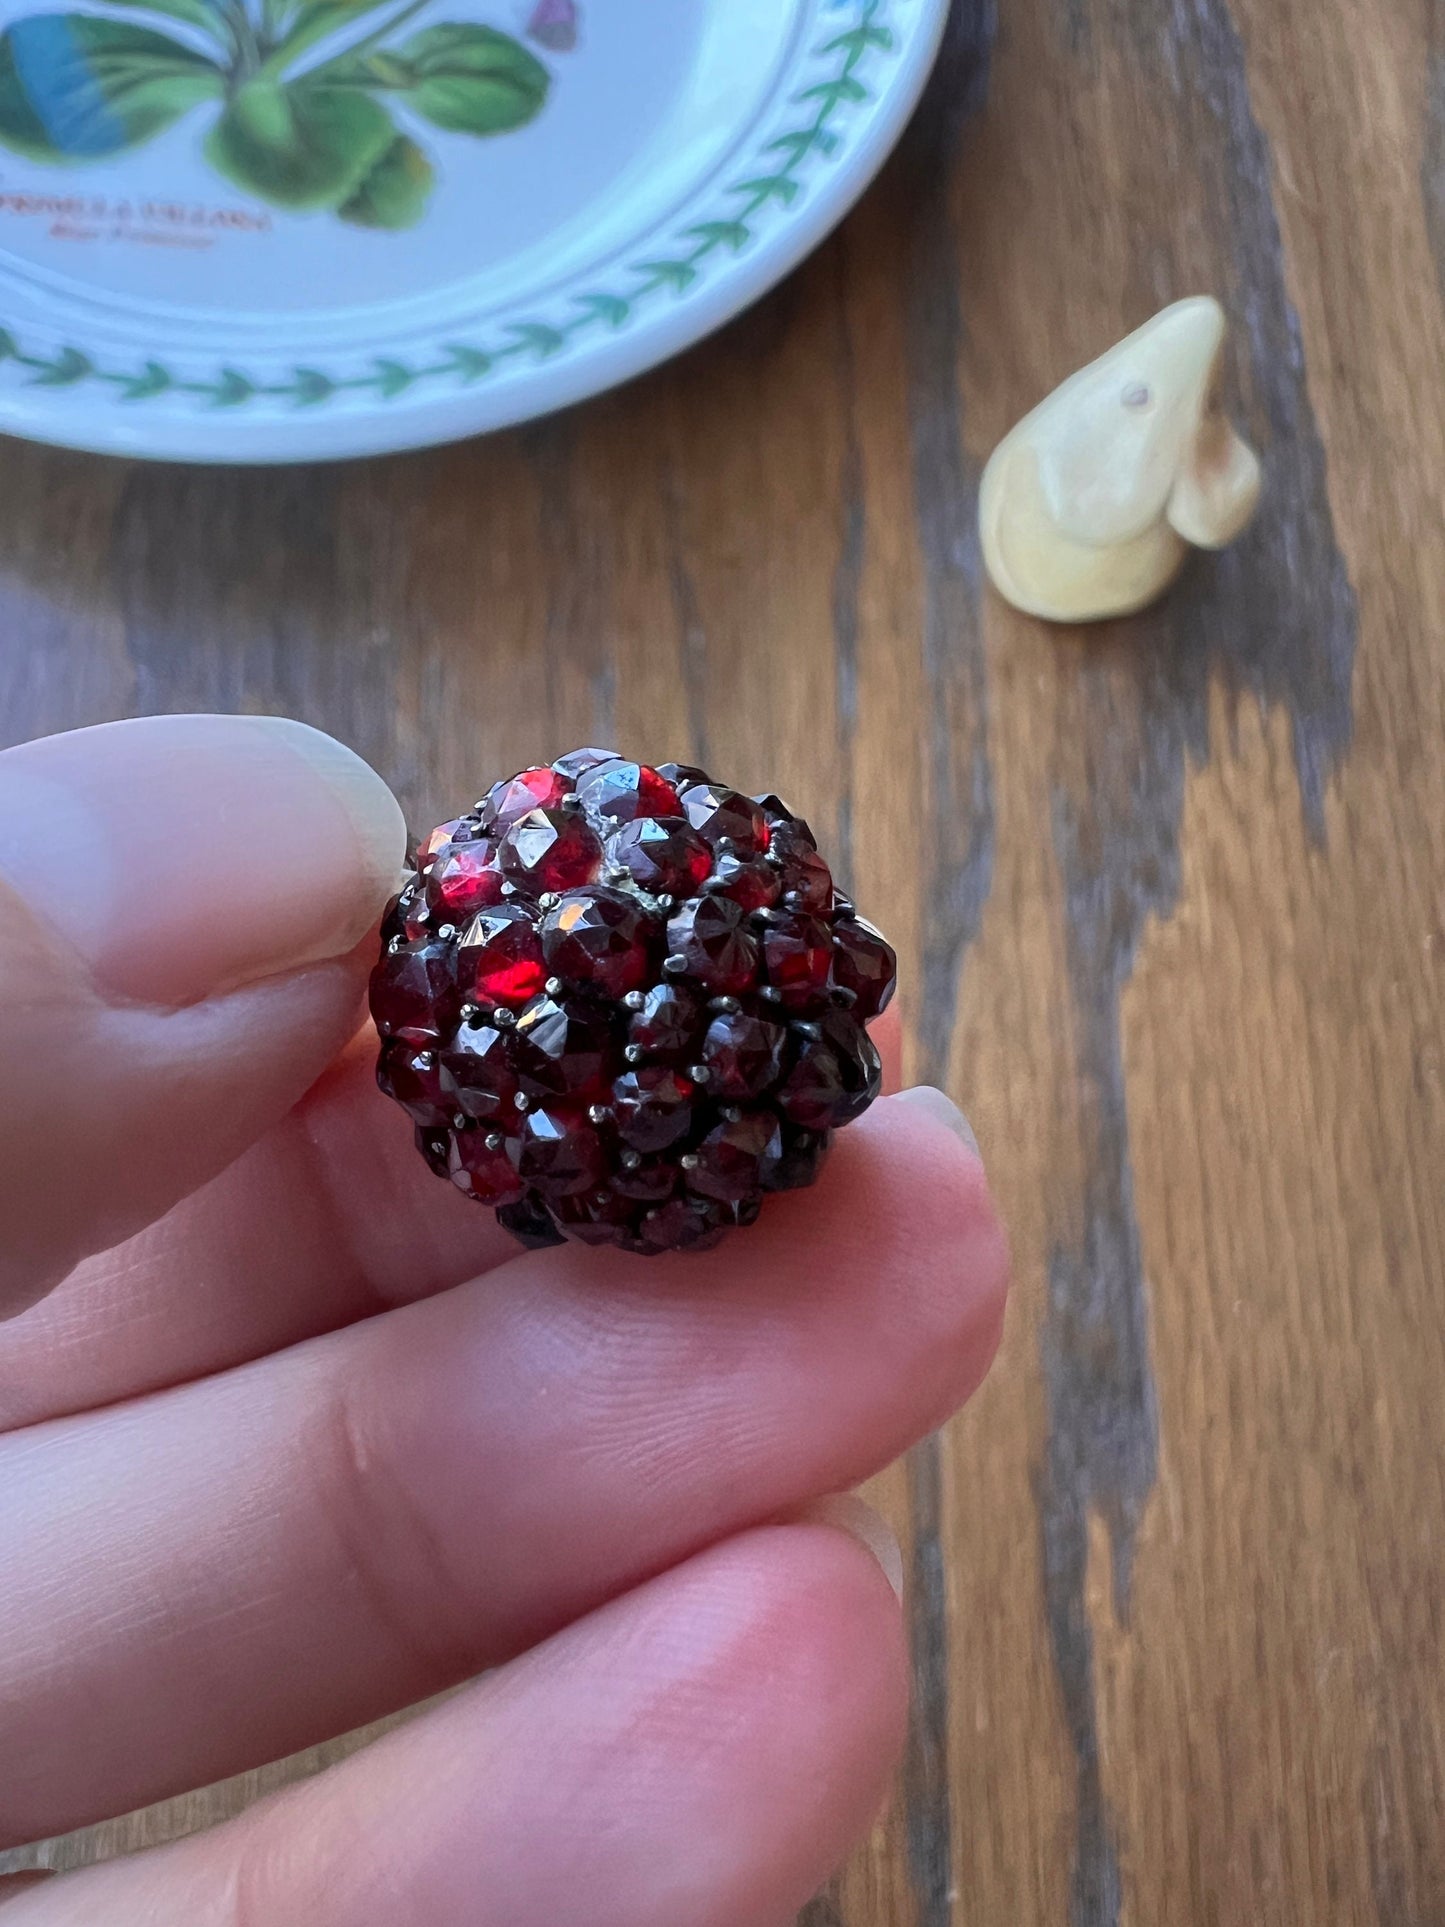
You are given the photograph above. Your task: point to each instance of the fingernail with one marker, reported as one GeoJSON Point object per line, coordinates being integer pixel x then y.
{"type": "Point", "coordinates": [942, 1109]}
{"type": "Point", "coordinates": [181, 856]}
{"type": "Point", "coordinates": [850, 1514]}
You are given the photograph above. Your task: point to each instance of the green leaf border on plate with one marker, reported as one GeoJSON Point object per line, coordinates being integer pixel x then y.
{"type": "Point", "coordinates": [775, 181]}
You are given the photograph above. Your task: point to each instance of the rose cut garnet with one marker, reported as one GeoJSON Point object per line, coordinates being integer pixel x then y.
{"type": "Point", "coordinates": [414, 1079]}
{"type": "Point", "coordinates": [709, 941]}
{"type": "Point", "coordinates": [622, 792]}
{"type": "Point", "coordinates": [479, 1165]}
{"type": "Point", "coordinates": [500, 961]}
{"type": "Point", "coordinates": [478, 1067]}
{"type": "Point", "coordinates": [599, 938]}
{"type": "Point", "coordinates": [558, 1153]}
{"type": "Point", "coordinates": [652, 1107]}
{"type": "Point", "coordinates": [562, 1052]}
{"type": "Point", "coordinates": [414, 992]}
{"type": "Point", "coordinates": [507, 803]}
{"type": "Point", "coordinates": [742, 1055]}
{"type": "Point", "coordinates": [551, 850]}
{"type": "Point", "coordinates": [722, 815]}
{"type": "Point", "coordinates": [463, 879]}
{"type": "Point", "coordinates": [798, 955]}
{"type": "Point", "coordinates": [662, 855]}
{"type": "Point", "coordinates": [666, 1022]}
{"type": "Point", "coordinates": [734, 1160]}
{"type": "Point", "coordinates": [864, 963]}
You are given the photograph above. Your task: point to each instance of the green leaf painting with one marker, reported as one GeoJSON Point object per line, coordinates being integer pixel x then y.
{"type": "Point", "coordinates": [294, 124]}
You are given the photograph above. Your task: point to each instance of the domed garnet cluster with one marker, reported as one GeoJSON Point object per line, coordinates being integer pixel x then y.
{"type": "Point", "coordinates": [621, 1003]}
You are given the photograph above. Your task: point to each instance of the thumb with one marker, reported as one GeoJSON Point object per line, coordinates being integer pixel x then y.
{"type": "Point", "coordinates": [181, 903]}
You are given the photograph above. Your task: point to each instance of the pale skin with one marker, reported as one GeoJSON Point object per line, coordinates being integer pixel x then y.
{"type": "Point", "coordinates": [292, 1435]}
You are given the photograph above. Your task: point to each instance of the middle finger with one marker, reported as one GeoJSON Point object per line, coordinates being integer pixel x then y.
{"type": "Point", "coordinates": [216, 1575]}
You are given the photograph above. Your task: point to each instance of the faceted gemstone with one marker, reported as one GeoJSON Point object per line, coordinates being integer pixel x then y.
{"type": "Point", "coordinates": [776, 811]}
{"type": "Point", "coordinates": [414, 993]}
{"type": "Point", "coordinates": [835, 1075]}
{"type": "Point", "coordinates": [529, 1224]}
{"type": "Point", "coordinates": [686, 1224]}
{"type": "Point", "coordinates": [750, 881]}
{"type": "Point", "coordinates": [551, 850]}
{"type": "Point", "coordinates": [734, 1161]}
{"type": "Point", "coordinates": [500, 961]}
{"type": "Point", "coordinates": [807, 882]}
{"type": "Point", "coordinates": [802, 1159]}
{"type": "Point", "coordinates": [435, 1146]}
{"type": "Point", "coordinates": [743, 1055]}
{"type": "Point", "coordinates": [711, 938]}
{"type": "Point", "coordinates": [682, 775]}
{"type": "Point", "coordinates": [859, 1064]}
{"type": "Point", "coordinates": [463, 879]}
{"type": "Point", "coordinates": [864, 962]}
{"type": "Point", "coordinates": [662, 855]}
{"type": "Point", "coordinates": [414, 1078]}
{"type": "Point", "coordinates": [477, 1066]}
{"type": "Point", "coordinates": [558, 1153]}
{"type": "Point", "coordinates": [652, 1107]}
{"type": "Point", "coordinates": [723, 815]}
{"type": "Point", "coordinates": [458, 830]}
{"type": "Point", "coordinates": [480, 1166]}
{"type": "Point", "coordinates": [535, 789]}
{"type": "Point", "coordinates": [578, 761]}
{"type": "Point", "coordinates": [666, 1023]}
{"type": "Point", "coordinates": [622, 792]}
{"type": "Point", "coordinates": [408, 918]}
{"type": "Point", "coordinates": [562, 1051]}
{"type": "Point", "coordinates": [797, 955]}
{"type": "Point", "coordinates": [596, 1218]}
{"type": "Point", "coordinates": [647, 1180]}
{"type": "Point", "coordinates": [599, 938]}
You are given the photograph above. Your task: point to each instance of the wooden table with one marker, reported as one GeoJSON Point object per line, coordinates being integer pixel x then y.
{"type": "Point", "coordinates": [1170, 894]}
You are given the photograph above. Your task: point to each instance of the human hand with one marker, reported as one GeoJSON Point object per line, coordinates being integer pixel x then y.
{"type": "Point", "coordinates": [292, 1435]}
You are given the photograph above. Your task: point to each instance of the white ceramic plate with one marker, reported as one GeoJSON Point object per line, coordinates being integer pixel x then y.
{"type": "Point", "coordinates": [275, 230]}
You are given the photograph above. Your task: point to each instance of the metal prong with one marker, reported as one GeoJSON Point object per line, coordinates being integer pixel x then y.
{"type": "Point", "coordinates": [635, 999]}
{"type": "Point", "coordinates": [571, 803]}
{"type": "Point", "coordinates": [503, 1018]}
{"type": "Point", "coordinates": [634, 1053]}
{"type": "Point", "coordinates": [446, 933]}
{"type": "Point", "coordinates": [522, 1102]}
{"type": "Point", "coordinates": [426, 1059]}
{"type": "Point", "coordinates": [674, 965]}
{"type": "Point", "coordinates": [598, 1113]}
{"type": "Point", "coordinates": [494, 1141]}
{"type": "Point", "coordinates": [630, 1160]}
{"type": "Point", "coordinates": [688, 1163]}
{"type": "Point", "coordinates": [813, 1032]}
{"type": "Point", "coordinates": [548, 900]}
{"type": "Point", "coordinates": [699, 1073]}
{"type": "Point", "coordinates": [725, 1006]}
{"type": "Point", "coordinates": [460, 1121]}
{"type": "Point", "coordinates": [667, 901]}
{"type": "Point", "coordinates": [770, 994]}
{"type": "Point", "coordinates": [731, 1113]}
{"type": "Point", "coordinates": [554, 986]}
{"type": "Point", "coordinates": [509, 889]}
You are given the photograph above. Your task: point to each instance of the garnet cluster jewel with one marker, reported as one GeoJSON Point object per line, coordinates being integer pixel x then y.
{"type": "Point", "coordinates": [622, 1004]}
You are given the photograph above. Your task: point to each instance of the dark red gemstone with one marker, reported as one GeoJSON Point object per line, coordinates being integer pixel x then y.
{"type": "Point", "coordinates": [834, 1077]}
{"type": "Point", "coordinates": [667, 1023]}
{"type": "Point", "coordinates": [859, 1063]}
{"type": "Point", "coordinates": [802, 1159]}
{"type": "Point", "coordinates": [734, 1161]}
{"type": "Point", "coordinates": [480, 1166]}
{"type": "Point", "coordinates": [806, 880]}
{"type": "Point", "coordinates": [596, 1218]}
{"type": "Point", "coordinates": [435, 1146]}
{"type": "Point", "coordinates": [682, 775]}
{"type": "Point", "coordinates": [534, 789]}
{"type": "Point", "coordinates": [600, 938]}
{"type": "Point", "coordinates": [722, 815]}
{"type": "Point", "coordinates": [414, 1078]}
{"type": "Point", "coordinates": [711, 942]}
{"type": "Point", "coordinates": [743, 1055]}
{"type": "Point", "coordinates": [686, 1224]}
{"type": "Point", "coordinates": [622, 792]}
{"type": "Point", "coordinates": [551, 850]}
{"type": "Point", "coordinates": [558, 1153]}
{"type": "Point", "coordinates": [414, 992]}
{"type": "Point", "coordinates": [653, 1107]}
{"type": "Point", "coordinates": [500, 961]}
{"type": "Point", "coordinates": [478, 1067]}
{"type": "Point", "coordinates": [562, 1052]}
{"type": "Point", "coordinates": [664, 856]}
{"type": "Point", "coordinates": [408, 917]}
{"type": "Point", "coordinates": [864, 963]}
{"type": "Point", "coordinates": [529, 1223]}
{"type": "Point", "coordinates": [577, 762]}
{"type": "Point", "coordinates": [458, 830]}
{"type": "Point", "coordinates": [797, 957]}
{"type": "Point", "coordinates": [750, 881]}
{"type": "Point", "coordinates": [463, 879]}
{"type": "Point", "coordinates": [647, 1180]}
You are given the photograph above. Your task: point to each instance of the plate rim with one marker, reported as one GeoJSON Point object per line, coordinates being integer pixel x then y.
{"type": "Point", "coordinates": [460, 413]}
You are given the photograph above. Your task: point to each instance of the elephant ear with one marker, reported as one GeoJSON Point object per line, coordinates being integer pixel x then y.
{"type": "Point", "coordinates": [300, 145]}
{"type": "Point", "coordinates": [74, 87]}
{"type": "Point", "coordinates": [474, 80]}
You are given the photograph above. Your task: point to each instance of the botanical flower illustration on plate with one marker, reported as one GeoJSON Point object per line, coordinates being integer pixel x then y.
{"type": "Point", "coordinates": [304, 114]}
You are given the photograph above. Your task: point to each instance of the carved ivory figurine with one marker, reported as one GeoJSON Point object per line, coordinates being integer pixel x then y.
{"type": "Point", "coordinates": [1089, 507]}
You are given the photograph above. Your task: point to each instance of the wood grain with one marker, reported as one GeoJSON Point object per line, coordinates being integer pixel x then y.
{"type": "Point", "coordinates": [1170, 894]}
